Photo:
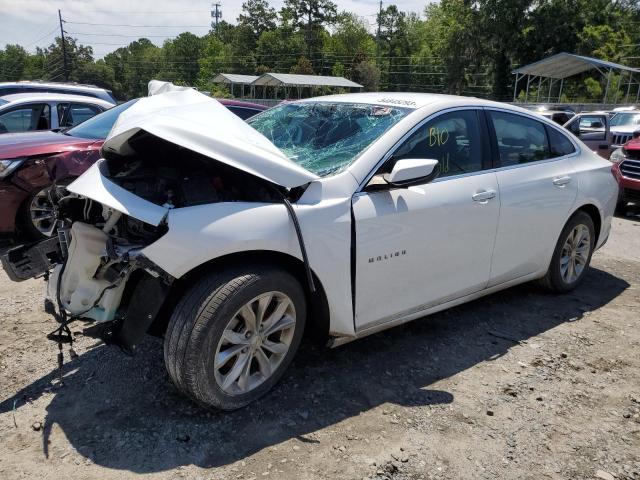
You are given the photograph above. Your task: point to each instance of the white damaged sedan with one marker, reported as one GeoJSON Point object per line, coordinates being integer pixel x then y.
{"type": "Point", "coordinates": [343, 214]}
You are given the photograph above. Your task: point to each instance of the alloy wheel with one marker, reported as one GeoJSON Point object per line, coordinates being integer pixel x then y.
{"type": "Point", "coordinates": [575, 253]}
{"type": "Point", "coordinates": [254, 343]}
{"type": "Point", "coordinates": [42, 214]}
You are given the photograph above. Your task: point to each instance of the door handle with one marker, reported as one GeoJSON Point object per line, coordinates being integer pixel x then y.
{"type": "Point", "coordinates": [561, 181]}
{"type": "Point", "coordinates": [483, 196]}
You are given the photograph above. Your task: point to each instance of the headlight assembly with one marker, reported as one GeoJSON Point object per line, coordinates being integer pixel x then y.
{"type": "Point", "coordinates": [9, 165]}
{"type": "Point", "coordinates": [617, 156]}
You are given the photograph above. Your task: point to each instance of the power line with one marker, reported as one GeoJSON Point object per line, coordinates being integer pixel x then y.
{"type": "Point", "coordinates": [119, 35]}
{"type": "Point", "coordinates": [55, 29]}
{"type": "Point", "coordinates": [136, 26]}
{"type": "Point", "coordinates": [122, 12]}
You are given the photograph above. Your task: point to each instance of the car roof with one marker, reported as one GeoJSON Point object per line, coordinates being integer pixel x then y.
{"type": "Point", "coordinates": [27, 83]}
{"type": "Point", "coordinates": [59, 97]}
{"type": "Point", "coordinates": [238, 103]}
{"type": "Point", "coordinates": [409, 100]}
{"type": "Point", "coordinates": [416, 101]}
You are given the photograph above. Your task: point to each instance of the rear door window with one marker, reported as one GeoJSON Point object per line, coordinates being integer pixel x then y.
{"type": "Point", "coordinates": [520, 139]}
{"type": "Point", "coordinates": [26, 118]}
{"type": "Point", "coordinates": [77, 113]}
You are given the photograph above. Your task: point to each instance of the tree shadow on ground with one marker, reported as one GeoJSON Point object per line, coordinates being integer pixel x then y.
{"type": "Point", "coordinates": [123, 413]}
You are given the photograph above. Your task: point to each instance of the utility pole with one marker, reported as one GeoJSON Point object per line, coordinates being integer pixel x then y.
{"type": "Point", "coordinates": [309, 33]}
{"type": "Point", "coordinates": [64, 49]}
{"type": "Point", "coordinates": [378, 35]}
{"type": "Point", "coordinates": [216, 14]}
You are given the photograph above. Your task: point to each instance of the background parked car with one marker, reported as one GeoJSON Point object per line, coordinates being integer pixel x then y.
{"type": "Point", "coordinates": [27, 112]}
{"type": "Point", "coordinates": [10, 88]}
{"type": "Point", "coordinates": [626, 169]}
{"type": "Point", "coordinates": [623, 126]}
{"type": "Point", "coordinates": [593, 128]}
{"type": "Point", "coordinates": [558, 114]}
{"type": "Point", "coordinates": [31, 162]}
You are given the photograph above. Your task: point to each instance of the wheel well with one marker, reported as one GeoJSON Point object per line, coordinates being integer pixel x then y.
{"type": "Point", "coordinates": [594, 213]}
{"type": "Point", "coordinates": [317, 303]}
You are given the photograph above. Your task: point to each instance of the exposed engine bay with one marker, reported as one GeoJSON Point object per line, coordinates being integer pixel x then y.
{"type": "Point", "coordinates": [174, 177]}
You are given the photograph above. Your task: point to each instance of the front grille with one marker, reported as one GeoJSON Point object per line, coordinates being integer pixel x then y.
{"type": "Point", "coordinates": [631, 195]}
{"type": "Point", "coordinates": [632, 154]}
{"type": "Point", "coordinates": [630, 169]}
{"type": "Point", "coordinates": [621, 138]}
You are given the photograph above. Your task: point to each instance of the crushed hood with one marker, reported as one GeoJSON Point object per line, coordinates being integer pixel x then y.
{"type": "Point", "coordinates": [202, 124]}
{"type": "Point", "coordinates": [95, 185]}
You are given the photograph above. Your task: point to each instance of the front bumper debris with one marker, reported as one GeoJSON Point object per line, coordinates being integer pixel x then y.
{"type": "Point", "coordinates": [32, 260]}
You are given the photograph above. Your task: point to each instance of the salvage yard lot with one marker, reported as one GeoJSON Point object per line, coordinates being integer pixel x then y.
{"type": "Point", "coordinates": [521, 384]}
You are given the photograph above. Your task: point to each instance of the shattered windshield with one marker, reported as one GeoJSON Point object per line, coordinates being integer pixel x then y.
{"type": "Point", "coordinates": [323, 137]}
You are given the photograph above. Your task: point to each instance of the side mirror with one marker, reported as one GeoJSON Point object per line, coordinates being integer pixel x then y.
{"type": "Point", "coordinates": [412, 171]}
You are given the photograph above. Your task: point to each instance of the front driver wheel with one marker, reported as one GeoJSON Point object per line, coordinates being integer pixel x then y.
{"type": "Point", "coordinates": [40, 215]}
{"type": "Point", "coordinates": [572, 255]}
{"type": "Point", "coordinates": [232, 336]}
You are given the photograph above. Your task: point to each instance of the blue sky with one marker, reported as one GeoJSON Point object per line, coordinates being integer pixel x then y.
{"type": "Point", "coordinates": [34, 23]}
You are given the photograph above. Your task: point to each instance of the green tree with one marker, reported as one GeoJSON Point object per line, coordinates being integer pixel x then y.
{"type": "Point", "coordinates": [180, 58]}
{"type": "Point", "coordinates": [367, 74]}
{"type": "Point", "coordinates": [78, 56]}
{"type": "Point", "coordinates": [500, 24]}
{"type": "Point", "coordinates": [258, 17]}
{"type": "Point", "coordinates": [303, 67]}
{"type": "Point", "coordinates": [134, 66]}
{"type": "Point", "coordinates": [98, 73]}
{"type": "Point", "coordinates": [279, 49]}
{"type": "Point", "coordinates": [13, 62]}
{"type": "Point", "coordinates": [451, 30]}
{"type": "Point", "coordinates": [349, 44]}
{"type": "Point", "coordinates": [310, 17]}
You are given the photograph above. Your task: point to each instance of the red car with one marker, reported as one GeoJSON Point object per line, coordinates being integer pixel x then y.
{"type": "Point", "coordinates": [626, 169]}
{"type": "Point", "coordinates": [31, 162]}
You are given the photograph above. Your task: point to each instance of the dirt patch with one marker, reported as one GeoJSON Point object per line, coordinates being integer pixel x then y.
{"type": "Point", "coordinates": [518, 385]}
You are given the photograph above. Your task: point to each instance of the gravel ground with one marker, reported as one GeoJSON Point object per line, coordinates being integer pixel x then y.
{"type": "Point", "coordinates": [518, 385]}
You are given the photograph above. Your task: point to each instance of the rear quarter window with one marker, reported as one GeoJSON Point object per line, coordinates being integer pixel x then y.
{"type": "Point", "coordinates": [559, 144]}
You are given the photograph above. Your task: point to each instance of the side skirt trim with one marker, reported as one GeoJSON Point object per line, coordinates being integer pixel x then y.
{"type": "Point", "coordinates": [337, 341]}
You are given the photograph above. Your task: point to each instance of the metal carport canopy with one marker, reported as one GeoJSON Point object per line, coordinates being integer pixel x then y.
{"type": "Point", "coordinates": [234, 78]}
{"type": "Point", "coordinates": [563, 65]}
{"type": "Point", "coordinates": [294, 80]}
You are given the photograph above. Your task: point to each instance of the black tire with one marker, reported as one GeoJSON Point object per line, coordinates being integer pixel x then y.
{"type": "Point", "coordinates": [27, 228]}
{"type": "Point", "coordinates": [199, 320]}
{"type": "Point", "coordinates": [553, 280]}
{"type": "Point", "coordinates": [622, 207]}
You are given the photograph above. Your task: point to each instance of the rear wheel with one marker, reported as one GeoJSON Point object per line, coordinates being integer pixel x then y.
{"type": "Point", "coordinates": [232, 336]}
{"type": "Point", "coordinates": [572, 254]}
